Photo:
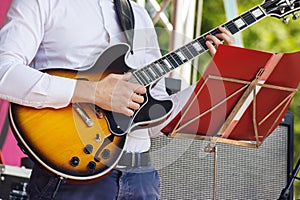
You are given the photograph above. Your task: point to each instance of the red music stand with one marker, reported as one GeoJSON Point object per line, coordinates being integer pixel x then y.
{"type": "Point", "coordinates": [241, 98]}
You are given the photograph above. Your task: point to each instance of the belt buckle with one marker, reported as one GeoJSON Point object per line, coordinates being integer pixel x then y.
{"type": "Point", "coordinates": [135, 159]}
{"type": "Point", "coordinates": [133, 163]}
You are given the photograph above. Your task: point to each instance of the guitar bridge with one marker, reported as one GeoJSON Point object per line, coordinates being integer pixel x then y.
{"type": "Point", "coordinates": [97, 110]}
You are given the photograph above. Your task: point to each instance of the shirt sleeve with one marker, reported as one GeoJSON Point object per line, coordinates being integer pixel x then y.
{"type": "Point", "coordinates": [20, 38]}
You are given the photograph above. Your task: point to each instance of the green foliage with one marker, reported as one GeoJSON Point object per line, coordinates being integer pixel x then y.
{"type": "Point", "coordinates": [212, 8]}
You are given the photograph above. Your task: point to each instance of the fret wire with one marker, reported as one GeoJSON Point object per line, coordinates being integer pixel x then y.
{"type": "Point", "coordinates": [153, 72]}
{"type": "Point", "coordinates": [267, 4]}
{"type": "Point", "coordinates": [232, 27]}
{"type": "Point", "coordinates": [148, 80]}
{"type": "Point", "coordinates": [134, 79]}
{"type": "Point", "coordinates": [177, 58]}
{"type": "Point", "coordinates": [171, 61]}
{"type": "Point", "coordinates": [250, 15]}
{"type": "Point", "coordinates": [202, 41]}
{"type": "Point", "coordinates": [198, 47]}
{"type": "Point", "coordinates": [164, 65]}
{"type": "Point", "coordinates": [240, 23]}
{"type": "Point", "coordinates": [153, 66]}
{"type": "Point", "coordinates": [187, 53]}
{"type": "Point", "coordinates": [181, 56]}
{"type": "Point", "coordinates": [192, 50]}
{"type": "Point", "coordinates": [257, 13]}
{"type": "Point", "coordinates": [161, 69]}
{"type": "Point", "coordinates": [145, 78]}
{"type": "Point", "coordinates": [248, 18]}
{"type": "Point", "coordinates": [149, 74]}
{"type": "Point", "coordinates": [182, 52]}
{"type": "Point", "coordinates": [215, 31]}
{"type": "Point", "coordinates": [139, 77]}
{"type": "Point", "coordinates": [134, 75]}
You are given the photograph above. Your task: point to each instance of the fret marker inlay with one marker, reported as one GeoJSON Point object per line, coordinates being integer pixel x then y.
{"type": "Point", "coordinates": [197, 46]}
{"type": "Point", "coordinates": [168, 64]}
{"type": "Point", "coordinates": [257, 13]}
{"type": "Point", "coordinates": [181, 56]}
{"type": "Point", "coordinates": [239, 23]}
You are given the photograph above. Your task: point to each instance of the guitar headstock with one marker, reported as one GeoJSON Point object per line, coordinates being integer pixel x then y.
{"type": "Point", "coordinates": [281, 8]}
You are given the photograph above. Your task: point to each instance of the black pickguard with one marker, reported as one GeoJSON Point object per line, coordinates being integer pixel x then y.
{"type": "Point", "coordinates": [151, 111]}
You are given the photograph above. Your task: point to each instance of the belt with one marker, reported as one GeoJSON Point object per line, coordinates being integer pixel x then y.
{"type": "Point", "coordinates": [134, 160]}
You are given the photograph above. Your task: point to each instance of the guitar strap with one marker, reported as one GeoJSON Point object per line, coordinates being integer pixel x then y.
{"type": "Point", "coordinates": [4, 132]}
{"type": "Point", "coordinates": [126, 19]}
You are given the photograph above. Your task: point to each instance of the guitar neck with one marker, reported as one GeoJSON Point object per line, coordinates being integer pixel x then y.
{"type": "Point", "coordinates": [193, 49]}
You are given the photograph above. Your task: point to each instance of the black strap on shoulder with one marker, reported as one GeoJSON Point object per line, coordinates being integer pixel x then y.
{"type": "Point", "coordinates": [4, 132]}
{"type": "Point", "coordinates": [126, 19]}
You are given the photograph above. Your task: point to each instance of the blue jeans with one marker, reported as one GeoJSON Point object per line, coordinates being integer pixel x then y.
{"type": "Point", "coordinates": [124, 184]}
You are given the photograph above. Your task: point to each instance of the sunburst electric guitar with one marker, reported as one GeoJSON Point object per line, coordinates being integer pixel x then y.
{"type": "Point", "coordinates": [82, 141]}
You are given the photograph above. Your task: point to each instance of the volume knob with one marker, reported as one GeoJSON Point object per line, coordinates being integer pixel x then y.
{"type": "Point", "coordinates": [91, 166]}
{"type": "Point", "coordinates": [88, 149]}
{"type": "Point", "coordinates": [74, 161]}
{"type": "Point", "coordinates": [106, 154]}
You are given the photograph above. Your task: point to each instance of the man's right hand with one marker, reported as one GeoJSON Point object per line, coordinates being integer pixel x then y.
{"type": "Point", "coordinates": [113, 93]}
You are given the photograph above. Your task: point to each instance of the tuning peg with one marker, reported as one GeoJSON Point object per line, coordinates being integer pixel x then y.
{"type": "Point", "coordinates": [292, 6]}
{"type": "Point", "coordinates": [286, 20]}
{"type": "Point", "coordinates": [295, 16]}
{"type": "Point", "coordinates": [282, 10]}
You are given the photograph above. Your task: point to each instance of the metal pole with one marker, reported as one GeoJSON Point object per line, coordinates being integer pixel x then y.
{"type": "Point", "coordinates": [231, 11]}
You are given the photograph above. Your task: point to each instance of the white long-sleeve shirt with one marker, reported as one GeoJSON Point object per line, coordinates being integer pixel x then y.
{"type": "Point", "coordinates": [69, 34]}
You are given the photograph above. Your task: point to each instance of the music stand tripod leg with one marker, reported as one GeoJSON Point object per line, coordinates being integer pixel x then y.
{"type": "Point", "coordinates": [213, 149]}
{"type": "Point", "coordinates": [286, 191]}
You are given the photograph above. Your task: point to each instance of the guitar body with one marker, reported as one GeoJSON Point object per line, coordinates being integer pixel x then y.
{"type": "Point", "coordinates": [61, 141]}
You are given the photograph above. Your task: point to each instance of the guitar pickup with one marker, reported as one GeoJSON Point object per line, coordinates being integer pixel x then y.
{"type": "Point", "coordinates": [83, 115]}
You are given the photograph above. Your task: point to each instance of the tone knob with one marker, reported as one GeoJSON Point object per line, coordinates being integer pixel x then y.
{"type": "Point", "coordinates": [105, 154]}
{"type": "Point", "coordinates": [74, 161]}
{"type": "Point", "coordinates": [88, 149]}
{"type": "Point", "coordinates": [91, 166]}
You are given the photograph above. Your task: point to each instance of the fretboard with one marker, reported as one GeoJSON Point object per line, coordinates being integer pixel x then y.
{"type": "Point", "coordinates": [190, 51]}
